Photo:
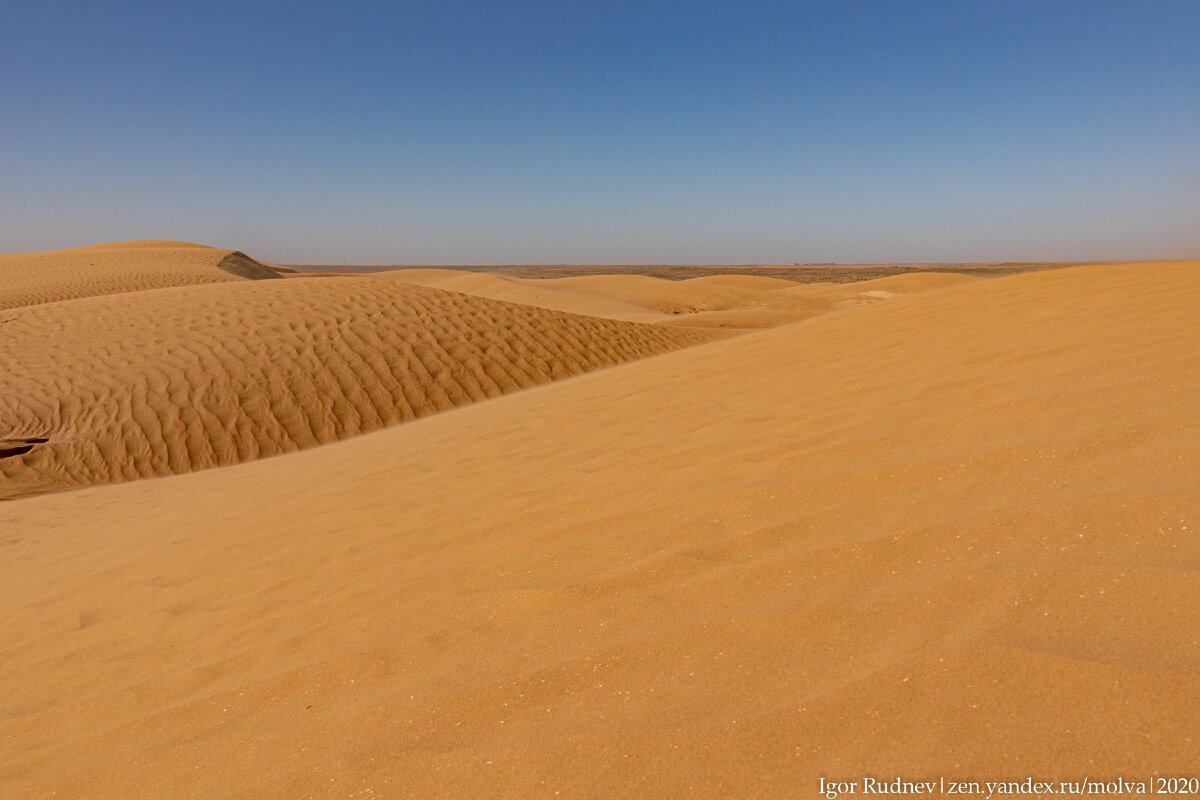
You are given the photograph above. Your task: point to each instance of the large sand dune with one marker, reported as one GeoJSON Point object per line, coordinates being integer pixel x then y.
{"type": "Point", "coordinates": [33, 278]}
{"type": "Point", "coordinates": [953, 534]}
{"type": "Point", "coordinates": [147, 383]}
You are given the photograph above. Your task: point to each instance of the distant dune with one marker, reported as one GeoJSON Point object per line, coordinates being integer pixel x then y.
{"type": "Point", "coordinates": [795, 273]}
{"type": "Point", "coordinates": [725, 301]}
{"type": "Point", "coordinates": [34, 278]}
{"type": "Point", "coordinates": [947, 527]}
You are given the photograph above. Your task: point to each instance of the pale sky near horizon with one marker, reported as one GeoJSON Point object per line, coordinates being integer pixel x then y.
{"type": "Point", "coordinates": [612, 132]}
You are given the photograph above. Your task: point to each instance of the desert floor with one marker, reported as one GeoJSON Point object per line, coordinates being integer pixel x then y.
{"type": "Point", "coordinates": [525, 533]}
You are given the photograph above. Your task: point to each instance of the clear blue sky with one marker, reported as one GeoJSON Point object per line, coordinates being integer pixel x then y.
{"type": "Point", "coordinates": [448, 132]}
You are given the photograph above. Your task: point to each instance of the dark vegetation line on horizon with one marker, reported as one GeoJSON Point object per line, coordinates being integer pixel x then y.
{"type": "Point", "coordinates": [800, 273]}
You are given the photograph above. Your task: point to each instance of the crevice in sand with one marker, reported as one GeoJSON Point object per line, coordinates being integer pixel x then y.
{"type": "Point", "coordinates": [11, 448]}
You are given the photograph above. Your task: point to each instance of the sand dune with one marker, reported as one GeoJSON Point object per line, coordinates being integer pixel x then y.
{"type": "Point", "coordinates": [953, 534]}
{"type": "Point", "coordinates": [161, 382]}
{"type": "Point", "coordinates": [867, 292]}
{"type": "Point", "coordinates": [795, 302]}
{"type": "Point", "coordinates": [34, 278]}
{"type": "Point", "coordinates": [718, 301]}
{"type": "Point", "coordinates": [531, 292]}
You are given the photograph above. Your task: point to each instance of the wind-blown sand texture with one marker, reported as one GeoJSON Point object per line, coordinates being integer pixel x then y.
{"type": "Point", "coordinates": [161, 382]}
{"type": "Point", "coordinates": [32, 278]}
{"type": "Point", "coordinates": [948, 534]}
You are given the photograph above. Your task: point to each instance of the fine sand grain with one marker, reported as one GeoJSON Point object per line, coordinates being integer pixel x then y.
{"type": "Point", "coordinates": [953, 533]}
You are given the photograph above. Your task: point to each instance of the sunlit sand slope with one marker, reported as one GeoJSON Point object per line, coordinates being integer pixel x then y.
{"type": "Point", "coordinates": [160, 382]}
{"type": "Point", "coordinates": [32, 278]}
{"type": "Point", "coordinates": [719, 301]}
{"type": "Point", "coordinates": [799, 301]}
{"type": "Point", "coordinates": [953, 534]}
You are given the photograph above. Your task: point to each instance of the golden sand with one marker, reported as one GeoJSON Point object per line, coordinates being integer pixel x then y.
{"type": "Point", "coordinates": [32, 278]}
{"type": "Point", "coordinates": [949, 533]}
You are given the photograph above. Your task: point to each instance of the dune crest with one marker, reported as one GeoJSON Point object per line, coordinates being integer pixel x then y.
{"type": "Point", "coordinates": [36, 278]}
{"type": "Point", "coordinates": [136, 244]}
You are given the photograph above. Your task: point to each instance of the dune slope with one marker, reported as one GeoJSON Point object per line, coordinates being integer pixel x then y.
{"type": "Point", "coordinates": [33, 278]}
{"type": "Point", "coordinates": [150, 383]}
{"type": "Point", "coordinates": [953, 534]}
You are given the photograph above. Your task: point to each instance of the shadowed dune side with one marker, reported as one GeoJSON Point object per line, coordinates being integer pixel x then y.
{"type": "Point", "coordinates": [717, 301]}
{"type": "Point", "coordinates": [35, 278]}
{"type": "Point", "coordinates": [19, 446]}
{"type": "Point", "coordinates": [953, 535]}
{"type": "Point", "coordinates": [241, 265]}
{"type": "Point", "coordinates": [173, 380]}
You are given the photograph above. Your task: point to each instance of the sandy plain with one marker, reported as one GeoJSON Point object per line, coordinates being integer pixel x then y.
{"type": "Point", "coordinates": [441, 533]}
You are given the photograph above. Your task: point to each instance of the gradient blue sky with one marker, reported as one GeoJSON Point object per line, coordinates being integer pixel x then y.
{"type": "Point", "coordinates": [556, 132]}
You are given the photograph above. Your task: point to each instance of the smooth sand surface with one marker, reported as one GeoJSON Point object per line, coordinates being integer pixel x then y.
{"type": "Point", "coordinates": [949, 534]}
{"type": "Point", "coordinates": [717, 301]}
{"type": "Point", "coordinates": [33, 278]}
{"type": "Point", "coordinates": [159, 382]}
